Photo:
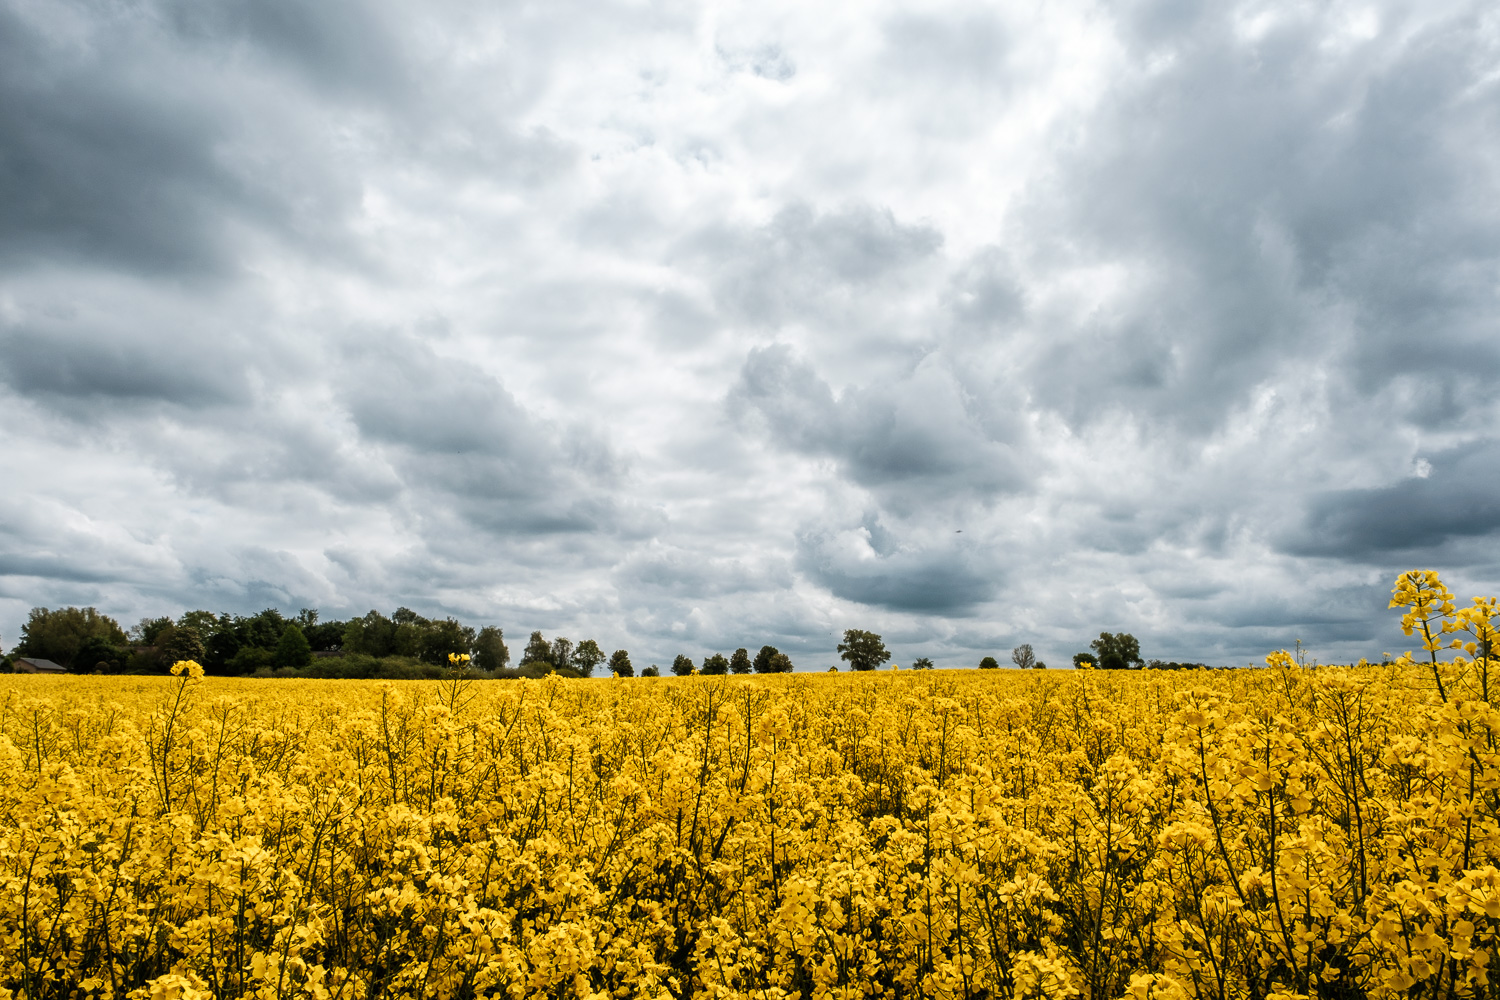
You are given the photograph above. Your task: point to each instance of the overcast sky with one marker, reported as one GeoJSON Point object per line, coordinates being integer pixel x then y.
{"type": "Point", "coordinates": [695, 325]}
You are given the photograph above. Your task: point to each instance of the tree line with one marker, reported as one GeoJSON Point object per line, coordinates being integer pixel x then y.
{"type": "Point", "coordinates": [403, 644]}
{"type": "Point", "coordinates": [406, 644]}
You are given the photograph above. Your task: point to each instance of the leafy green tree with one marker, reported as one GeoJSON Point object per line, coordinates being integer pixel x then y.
{"type": "Point", "coordinates": [989, 663]}
{"type": "Point", "coordinates": [59, 635]}
{"type": "Point", "coordinates": [292, 649]}
{"type": "Point", "coordinates": [99, 655]}
{"type": "Point", "coordinates": [739, 662]}
{"type": "Point", "coordinates": [619, 664]}
{"type": "Point", "coordinates": [921, 663]}
{"type": "Point", "coordinates": [1023, 656]}
{"type": "Point", "coordinates": [781, 664]}
{"type": "Point", "coordinates": [562, 653]}
{"type": "Point", "coordinates": [1116, 651]}
{"type": "Point", "coordinates": [250, 659]}
{"type": "Point", "coordinates": [440, 638]}
{"type": "Point", "coordinates": [682, 665]}
{"type": "Point", "coordinates": [202, 622]}
{"type": "Point", "coordinates": [409, 639]}
{"type": "Point", "coordinates": [145, 631]}
{"type": "Point", "coordinates": [587, 656]}
{"type": "Point", "coordinates": [262, 631]}
{"type": "Point", "coordinates": [321, 635]}
{"type": "Point", "coordinates": [179, 643]}
{"type": "Point", "coordinates": [716, 664]}
{"type": "Point", "coordinates": [406, 616]}
{"type": "Point", "coordinates": [651, 671]}
{"type": "Point", "coordinates": [762, 662]}
{"type": "Point", "coordinates": [220, 649]}
{"type": "Point", "coordinates": [538, 650]}
{"type": "Point", "coordinates": [490, 651]}
{"type": "Point", "coordinates": [372, 635]}
{"type": "Point", "coordinates": [1040, 665]}
{"type": "Point", "coordinates": [1084, 661]}
{"type": "Point", "coordinates": [862, 649]}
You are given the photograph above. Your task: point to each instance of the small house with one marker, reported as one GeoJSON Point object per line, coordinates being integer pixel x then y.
{"type": "Point", "coordinates": [37, 665]}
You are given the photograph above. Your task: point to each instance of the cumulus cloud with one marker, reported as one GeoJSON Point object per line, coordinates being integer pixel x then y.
{"type": "Point", "coordinates": [695, 326]}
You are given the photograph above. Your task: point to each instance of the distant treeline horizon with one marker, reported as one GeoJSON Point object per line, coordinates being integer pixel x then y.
{"type": "Point", "coordinates": [404, 644]}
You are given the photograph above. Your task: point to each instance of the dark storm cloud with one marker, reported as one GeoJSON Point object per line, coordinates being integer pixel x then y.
{"type": "Point", "coordinates": [79, 363]}
{"type": "Point", "coordinates": [1457, 499]}
{"type": "Point", "coordinates": [102, 162]}
{"type": "Point", "coordinates": [870, 566]}
{"type": "Point", "coordinates": [922, 429]}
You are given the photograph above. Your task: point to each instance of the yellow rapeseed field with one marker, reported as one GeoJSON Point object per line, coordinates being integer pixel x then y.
{"type": "Point", "coordinates": [1276, 833]}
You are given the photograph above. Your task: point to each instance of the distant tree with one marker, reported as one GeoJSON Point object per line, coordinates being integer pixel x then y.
{"type": "Point", "coordinates": [989, 663]}
{"type": "Point", "coordinates": [1023, 657]}
{"type": "Point", "coordinates": [619, 664]}
{"type": "Point", "coordinates": [490, 651]}
{"type": "Point", "coordinates": [1040, 665]}
{"type": "Point", "coordinates": [562, 653]}
{"type": "Point", "coordinates": [762, 662]}
{"type": "Point", "coordinates": [179, 643]}
{"type": "Point", "coordinates": [1116, 651]}
{"type": "Point", "coordinates": [406, 616]}
{"type": "Point", "coordinates": [323, 636]}
{"type": "Point", "coordinates": [59, 635]}
{"type": "Point", "coordinates": [145, 631]}
{"type": "Point", "coordinates": [250, 659]}
{"type": "Point", "coordinates": [682, 665]}
{"type": "Point", "coordinates": [862, 649]}
{"type": "Point", "coordinates": [262, 631]}
{"type": "Point", "coordinates": [718, 663]}
{"type": "Point", "coordinates": [833, 668]}
{"type": "Point", "coordinates": [921, 663]}
{"type": "Point", "coordinates": [292, 649]}
{"type": "Point", "coordinates": [651, 671]}
{"type": "Point", "coordinates": [372, 635]}
{"type": "Point", "coordinates": [440, 639]}
{"type": "Point", "coordinates": [205, 623]}
{"type": "Point", "coordinates": [220, 646]}
{"type": "Point", "coordinates": [587, 656]}
{"type": "Point", "coordinates": [99, 655]}
{"type": "Point", "coordinates": [1084, 661]}
{"type": "Point", "coordinates": [409, 638]}
{"type": "Point", "coordinates": [739, 662]}
{"type": "Point", "coordinates": [538, 650]}
{"type": "Point", "coordinates": [781, 664]}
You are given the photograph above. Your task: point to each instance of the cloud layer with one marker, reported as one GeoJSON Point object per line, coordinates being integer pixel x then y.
{"type": "Point", "coordinates": [713, 324]}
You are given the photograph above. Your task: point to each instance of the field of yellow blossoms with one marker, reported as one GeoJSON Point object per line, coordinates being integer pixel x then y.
{"type": "Point", "coordinates": [1276, 833]}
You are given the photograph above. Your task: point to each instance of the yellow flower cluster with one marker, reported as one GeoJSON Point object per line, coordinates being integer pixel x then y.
{"type": "Point", "coordinates": [1263, 835]}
